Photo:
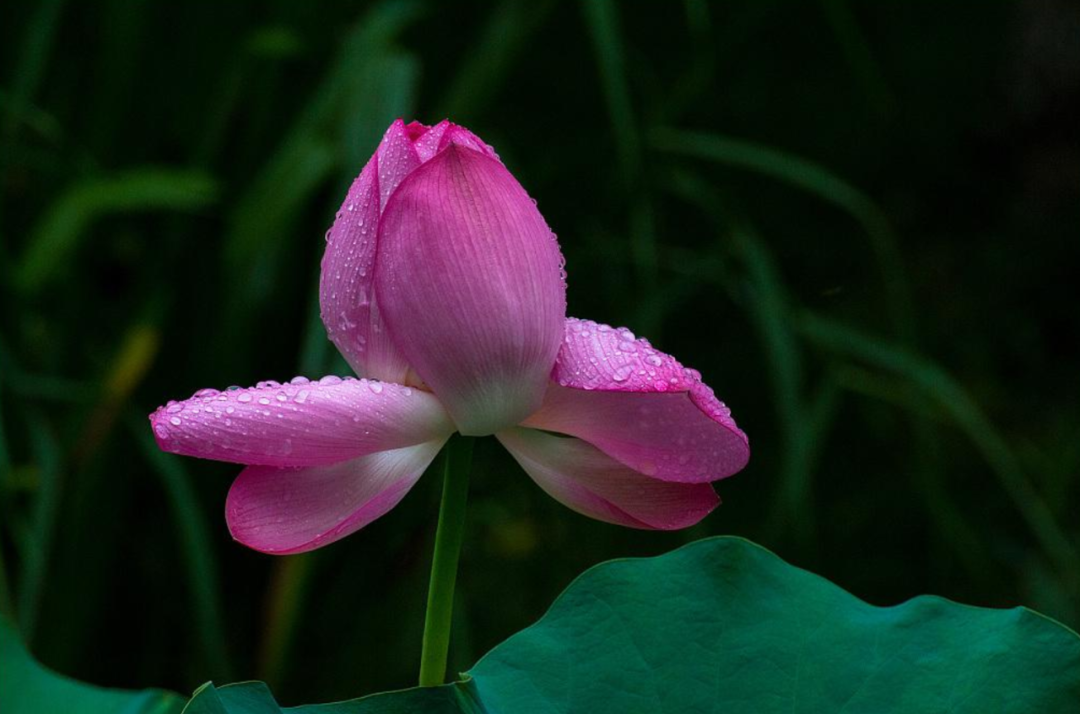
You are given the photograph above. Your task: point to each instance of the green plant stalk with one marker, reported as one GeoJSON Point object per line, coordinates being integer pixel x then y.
{"type": "Point", "coordinates": [444, 563]}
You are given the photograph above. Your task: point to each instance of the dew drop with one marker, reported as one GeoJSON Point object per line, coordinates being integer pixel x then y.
{"type": "Point", "coordinates": [175, 421]}
{"type": "Point", "coordinates": [245, 397]}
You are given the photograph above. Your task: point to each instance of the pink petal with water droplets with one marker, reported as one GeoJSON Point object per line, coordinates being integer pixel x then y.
{"type": "Point", "coordinates": [282, 511]}
{"type": "Point", "coordinates": [346, 296]}
{"type": "Point", "coordinates": [460, 136]}
{"type": "Point", "coordinates": [427, 140]}
{"type": "Point", "coordinates": [470, 284]}
{"type": "Point", "coordinates": [397, 158]}
{"type": "Point", "coordinates": [347, 302]}
{"type": "Point", "coordinates": [639, 406]}
{"type": "Point", "coordinates": [302, 424]}
{"type": "Point", "coordinates": [592, 483]}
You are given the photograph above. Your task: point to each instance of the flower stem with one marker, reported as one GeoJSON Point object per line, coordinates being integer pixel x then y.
{"type": "Point", "coordinates": [444, 564]}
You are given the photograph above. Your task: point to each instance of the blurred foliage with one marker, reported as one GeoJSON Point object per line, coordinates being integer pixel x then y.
{"type": "Point", "coordinates": [859, 221]}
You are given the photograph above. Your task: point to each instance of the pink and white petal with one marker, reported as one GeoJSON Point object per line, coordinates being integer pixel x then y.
{"type": "Point", "coordinates": [301, 423]}
{"type": "Point", "coordinates": [293, 510]}
{"type": "Point", "coordinates": [346, 295]}
{"type": "Point", "coordinates": [639, 406]}
{"type": "Point", "coordinates": [469, 281]}
{"type": "Point", "coordinates": [592, 483]}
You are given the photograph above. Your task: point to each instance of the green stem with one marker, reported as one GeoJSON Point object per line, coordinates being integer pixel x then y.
{"type": "Point", "coordinates": [444, 564]}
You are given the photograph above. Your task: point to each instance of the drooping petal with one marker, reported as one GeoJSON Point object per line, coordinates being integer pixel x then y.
{"type": "Point", "coordinates": [592, 483]}
{"type": "Point", "coordinates": [469, 280]}
{"type": "Point", "coordinates": [301, 423]}
{"type": "Point", "coordinates": [292, 510]}
{"type": "Point", "coordinates": [639, 406]}
{"type": "Point", "coordinates": [346, 295]}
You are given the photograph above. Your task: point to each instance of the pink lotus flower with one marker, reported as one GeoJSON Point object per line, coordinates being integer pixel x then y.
{"type": "Point", "coordinates": [443, 288]}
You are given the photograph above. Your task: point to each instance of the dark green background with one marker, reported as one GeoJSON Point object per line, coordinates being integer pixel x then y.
{"type": "Point", "coordinates": [859, 222]}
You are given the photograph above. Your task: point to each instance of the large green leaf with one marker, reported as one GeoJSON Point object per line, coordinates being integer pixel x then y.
{"type": "Point", "coordinates": [723, 625]}
{"type": "Point", "coordinates": [27, 687]}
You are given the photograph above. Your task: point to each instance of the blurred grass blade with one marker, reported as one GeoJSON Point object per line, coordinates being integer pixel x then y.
{"type": "Point", "coordinates": [966, 414]}
{"type": "Point", "coordinates": [135, 355]}
{"type": "Point", "coordinates": [818, 181]}
{"type": "Point", "coordinates": [858, 55]}
{"type": "Point", "coordinates": [602, 21]}
{"type": "Point", "coordinates": [7, 606]}
{"type": "Point", "coordinates": [30, 65]}
{"type": "Point", "coordinates": [314, 344]}
{"type": "Point", "coordinates": [955, 529]}
{"type": "Point", "coordinates": [289, 586]}
{"type": "Point", "coordinates": [505, 37]}
{"type": "Point", "coordinates": [35, 559]}
{"type": "Point", "coordinates": [201, 570]}
{"type": "Point", "coordinates": [383, 92]}
{"type": "Point", "coordinates": [266, 213]}
{"type": "Point", "coordinates": [5, 451]}
{"type": "Point", "coordinates": [27, 71]}
{"type": "Point", "coordinates": [769, 310]}
{"type": "Point", "coordinates": [59, 231]}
